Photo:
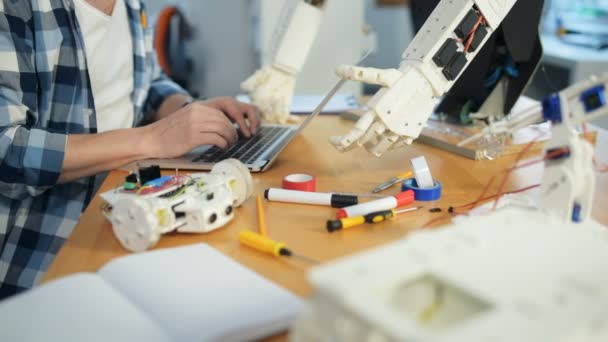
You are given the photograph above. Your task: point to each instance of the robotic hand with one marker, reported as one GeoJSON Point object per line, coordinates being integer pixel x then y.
{"type": "Point", "coordinates": [382, 127]}
{"type": "Point", "coordinates": [271, 88]}
{"type": "Point", "coordinates": [448, 42]}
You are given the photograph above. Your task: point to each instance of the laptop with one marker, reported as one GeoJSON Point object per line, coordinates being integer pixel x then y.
{"type": "Point", "coordinates": [258, 153]}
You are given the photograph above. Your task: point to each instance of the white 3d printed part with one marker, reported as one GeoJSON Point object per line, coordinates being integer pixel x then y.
{"type": "Point", "coordinates": [515, 275]}
{"type": "Point", "coordinates": [198, 203]}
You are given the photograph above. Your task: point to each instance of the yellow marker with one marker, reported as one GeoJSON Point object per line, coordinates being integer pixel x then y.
{"type": "Point", "coordinates": [261, 220]}
{"type": "Point", "coordinates": [265, 245]}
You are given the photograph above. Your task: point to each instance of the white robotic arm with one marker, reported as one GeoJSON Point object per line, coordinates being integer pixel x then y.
{"type": "Point", "coordinates": [433, 62]}
{"type": "Point", "coordinates": [271, 88]}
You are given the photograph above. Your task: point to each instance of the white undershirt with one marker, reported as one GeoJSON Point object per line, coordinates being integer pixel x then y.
{"type": "Point", "coordinates": [109, 51]}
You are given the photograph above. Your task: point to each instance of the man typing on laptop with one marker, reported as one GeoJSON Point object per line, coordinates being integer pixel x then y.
{"type": "Point", "coordinates": [70, 94]}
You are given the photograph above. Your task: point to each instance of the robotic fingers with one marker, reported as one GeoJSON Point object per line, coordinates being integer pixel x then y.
{"type": "Point", "coordinates": [446, 45]}
{"type": "Point", "coordinates": [383, 127]}
{"type": "Point", "coordinates": [271, 88]}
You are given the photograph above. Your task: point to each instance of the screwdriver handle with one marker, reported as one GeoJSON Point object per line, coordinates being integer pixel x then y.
{"type": "Point", "coordinates": [380, 216]}
{"type": "Point", "coordinates": [350, 222]}
{"type": "Point", "coordinates": [261, 243]}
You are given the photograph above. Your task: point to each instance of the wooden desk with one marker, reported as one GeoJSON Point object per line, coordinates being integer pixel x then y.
{"type": "Point", "coordinates": [92, 243]}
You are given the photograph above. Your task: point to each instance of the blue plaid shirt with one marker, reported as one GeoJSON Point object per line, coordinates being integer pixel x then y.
{"type": "Point", "coordinates": [45, 94]}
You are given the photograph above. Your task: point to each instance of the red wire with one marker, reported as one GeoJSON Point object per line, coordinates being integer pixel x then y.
{"type": "Point", "coordinates": [494, 196]}
{"type": "Point", "coordinates": [483, 193]}
{"type": "Point", "coordinates": [472, 34]}
{"type": "Point", "coordinates": [473, 204]}
{"type": "Point", "coordinates": [520, 155]}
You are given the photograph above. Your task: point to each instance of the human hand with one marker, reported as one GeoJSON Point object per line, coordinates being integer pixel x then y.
{"type": "Point", "coordinates": [245, 115]}
{"type": "Point", "coordinates": [271, 90]}
{"type": "Point", "coordinates": [188, 128]}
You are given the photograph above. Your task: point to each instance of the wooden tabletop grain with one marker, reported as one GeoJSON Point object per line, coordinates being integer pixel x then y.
{"type": "Point", "coordinates": [301, 227]}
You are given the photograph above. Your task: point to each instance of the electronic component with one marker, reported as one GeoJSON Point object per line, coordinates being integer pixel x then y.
{"type": "Point", "coordinates": [445, 53]}
{"type": "Point", "coordinates": [149, 173]}
{"type": "Point", "coordinates": [480, 35]}
{"type": "Point", "coordinates": [467, 24]}
{"type": "Point", "coordinates": [197, 203]}
{"type": "Point", "coordinates": [455, 66]}
{"type": "Point", "coordinates": [131, 178]}
{"type": "Point", "coordinates": [594, 98]}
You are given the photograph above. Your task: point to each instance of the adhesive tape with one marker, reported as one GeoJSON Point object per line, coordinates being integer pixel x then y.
{"type": "Point", "coordinates": [300, 182]}
{"type": "Point", "coordinates": [422, 173]}
{"type": "Point", "coordinates": [422, 194]}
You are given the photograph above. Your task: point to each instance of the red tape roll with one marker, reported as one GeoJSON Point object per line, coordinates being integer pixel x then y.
{"type": "Point", "coordinates": [300, 182]}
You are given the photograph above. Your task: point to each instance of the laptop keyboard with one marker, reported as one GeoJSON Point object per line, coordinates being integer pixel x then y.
{"type": "Point", "coordinates": [245, 150]}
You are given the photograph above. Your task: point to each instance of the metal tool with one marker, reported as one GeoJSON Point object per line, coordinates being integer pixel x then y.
{"type": "Point", "coordinates": [328, 97]}
{"type": "Point", "coordinates": [377, 217]}
{"type": "Point", "coordinates": [266, 245]}
{"type": "Point", "coordinates": [392, 182]}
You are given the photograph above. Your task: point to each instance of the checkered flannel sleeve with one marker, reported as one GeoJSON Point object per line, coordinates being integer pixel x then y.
{"type": "Point", "coordinates": [30, 159]}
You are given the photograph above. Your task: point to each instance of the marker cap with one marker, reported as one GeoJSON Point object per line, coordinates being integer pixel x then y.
{"type": "Point", "coordinates": [341, 214]}
{"type": "Point", "coordinates": [405, 198]}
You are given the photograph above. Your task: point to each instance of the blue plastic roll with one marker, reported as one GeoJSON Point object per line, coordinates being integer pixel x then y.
{"type": "Point", "coordinates": [425, 195]}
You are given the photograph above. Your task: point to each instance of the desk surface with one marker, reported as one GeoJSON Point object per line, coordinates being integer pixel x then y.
{"type": "Point", "coordinates": [92, 244]}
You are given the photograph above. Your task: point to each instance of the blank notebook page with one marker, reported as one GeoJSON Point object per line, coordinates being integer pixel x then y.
{"type": "Point", "coordinates": [81, 307]}
{"type": "Point", "coordinates": [195, 293]}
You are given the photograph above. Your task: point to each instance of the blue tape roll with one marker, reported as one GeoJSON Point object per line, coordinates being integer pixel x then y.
{"type": "Point", "coordinates": [426, 195]}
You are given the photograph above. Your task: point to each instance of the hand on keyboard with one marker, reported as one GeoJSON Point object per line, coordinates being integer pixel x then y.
{"type": "Point", "coordinates": [186, 129]}
{"type": "Point", "coordinates": [247, 150]}
{"type": "Point", "coordinates": [246, 116]}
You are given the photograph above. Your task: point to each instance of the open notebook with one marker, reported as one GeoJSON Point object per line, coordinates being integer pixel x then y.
{"type": "Point", "coordinates": [191, 293]}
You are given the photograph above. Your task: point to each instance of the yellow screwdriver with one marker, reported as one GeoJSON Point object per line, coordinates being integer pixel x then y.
{"type": "Point", "coordinates": [377, 217]}
{"type": "Point", "coordinates": [392, 182]}
{"type": "Point", "coordinates": [266, 245]}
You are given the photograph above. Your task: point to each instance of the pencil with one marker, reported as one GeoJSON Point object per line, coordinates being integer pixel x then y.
{"type": "Point", "coordinates": [261, 223]}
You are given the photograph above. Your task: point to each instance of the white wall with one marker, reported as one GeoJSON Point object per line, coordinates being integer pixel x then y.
{"type": "Point", "coordinates": [222, 50]}
{"type": "Point", "coordinates": [393, 26]}
{"type": "Point", "coordinates": [340, 41]}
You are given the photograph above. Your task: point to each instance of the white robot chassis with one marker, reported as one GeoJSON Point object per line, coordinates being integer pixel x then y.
{"type": "Point", "coordinates": [196, 203]}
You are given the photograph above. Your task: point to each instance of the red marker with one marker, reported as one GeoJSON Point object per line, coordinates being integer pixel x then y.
{"type": "Point", "coordinates": [399, 200]}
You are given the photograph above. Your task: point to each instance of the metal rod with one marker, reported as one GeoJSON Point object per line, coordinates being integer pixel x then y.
{"type": "Point", "coordinates": [408, 210]}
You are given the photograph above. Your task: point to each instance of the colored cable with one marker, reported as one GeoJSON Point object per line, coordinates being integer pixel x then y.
{"type": "Point", "coordinates": [472, 34]}
{"type": "Point", "coordinates": [454, 211]}
{"type": "Point", "coordinates": [520, 155]}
